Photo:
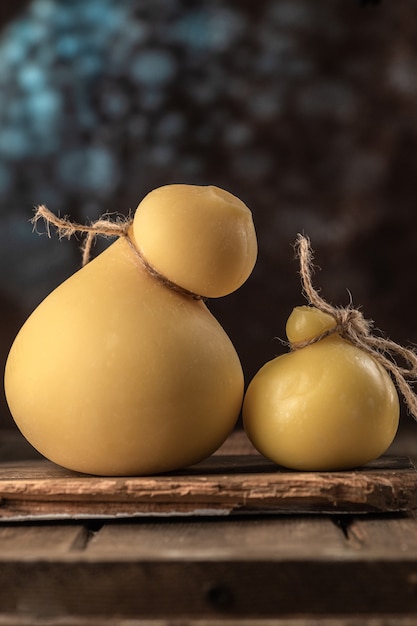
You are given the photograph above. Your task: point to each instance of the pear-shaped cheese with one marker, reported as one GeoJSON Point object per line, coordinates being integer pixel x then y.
{"type": "Point", "coordinates": [326, 406]}
{"type": "Point", "coordinates": [116, 374]}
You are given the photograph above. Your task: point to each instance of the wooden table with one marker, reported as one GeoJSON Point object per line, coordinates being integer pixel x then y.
{"type": "Point", "coordinates": [240, 563]}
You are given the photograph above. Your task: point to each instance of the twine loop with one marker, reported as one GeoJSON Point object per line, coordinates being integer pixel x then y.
{"type": "Point", "coordinates": [105, 227]}
{"type": "Point", "coordinates": [352, 326]}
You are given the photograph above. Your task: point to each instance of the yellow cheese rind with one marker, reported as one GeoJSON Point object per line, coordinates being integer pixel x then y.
{"type": "Point", "coordinates": [200, 237]}
{"type": "Point", "coordinates": [115, 374]}
{"type": "Point", "coordinates": [306, 322]}
{"type": "Point", "coordinates": [327, 406]}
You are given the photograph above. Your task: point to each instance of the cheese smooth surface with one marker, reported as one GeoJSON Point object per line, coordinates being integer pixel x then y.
{"type": "Point", "coordinates": [200, 237]}
{"type": "Point", "coordinates": [326, 406]}
{"type": "Point", "coordinates": [114, 373]}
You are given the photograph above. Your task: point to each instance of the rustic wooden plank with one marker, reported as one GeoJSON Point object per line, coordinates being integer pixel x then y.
{"type": "Point", "coordinates": [205, 569]}
{"type": "Point", "coordinates": [389, 535]}
{"type": "Point", "coordinates": [188, 572]}
{"type": "Point", "coordinates": [238, 443]}
{"type": "Point", "coordinates": [221, 485]}
{"type": "Point", "coordinates": [360, 620]}
{"type": "Point", "coordinates": [13, 620]}
{"type": "Point", "coordinates": [23, 539]}
{"type": "Point", "coordinates": [222, 588]}
{"type": "Point", "coordinates": [257, 538]}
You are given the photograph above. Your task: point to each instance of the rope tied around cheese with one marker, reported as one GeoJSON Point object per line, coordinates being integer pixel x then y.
{"type": "Point", "coordinates": [352, 326]}
{"type": "Point", "coordinates": [105, 227]}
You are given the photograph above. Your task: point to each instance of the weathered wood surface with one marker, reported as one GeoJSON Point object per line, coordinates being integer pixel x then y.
{"type": "Point", "coordinates": [235, 480]}
{"type": "Point", "coordinates": [115, 620]}
{"type": "Point", "coordinates": [197, 569]}
{"type": "Point", "coordinates": [286, 621]}
{"type": "Point", "coordinates": [221, 485]}
{"type": "Point", "coordinates": [288, 570]}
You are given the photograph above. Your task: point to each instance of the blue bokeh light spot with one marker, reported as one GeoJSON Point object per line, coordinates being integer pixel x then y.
{"type": "Point", "coordinates": [92, 170]}
{"type": "Point", "coordinates": [153, 67]}
{"type": "Point", "coordinates": [14, 143]}
{"type": "Point", "coordinates": [31, 77]}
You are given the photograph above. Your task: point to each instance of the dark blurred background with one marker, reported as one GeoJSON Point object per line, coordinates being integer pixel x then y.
{"type": "Point", "coordinates": [305, 110]}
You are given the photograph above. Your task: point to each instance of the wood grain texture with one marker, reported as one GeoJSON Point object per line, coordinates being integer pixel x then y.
{"type": "Point", "coordinates": [221, 485]}
{"type": "Point", "coordinates": [115, 620]}
{"type": "Point", "coordinates": [40, 540]}
{"type": "Point", "coordinates": [191, 569]}
{"type": "Point", "coordinates": [128, 587]}
{"type": "Point", "coordinates": [290, 569]}
{"type": "Point", "coordinates": [260, 538]}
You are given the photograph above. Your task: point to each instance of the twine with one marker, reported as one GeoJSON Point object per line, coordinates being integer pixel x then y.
{"type": "Point", "coordinates": [106, 228]}
{"type": "Point", "coordinates": [352, 326]}
{"type": "Point", "coordinates": [103, 226]}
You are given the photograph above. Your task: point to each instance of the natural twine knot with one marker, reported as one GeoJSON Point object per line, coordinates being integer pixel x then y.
{"type": "Point", "coordinates": [65, 228]}
{"type": "Point", "coordinates": [106, 228]}
{"type": "Point", "coordinates": [352, 326]}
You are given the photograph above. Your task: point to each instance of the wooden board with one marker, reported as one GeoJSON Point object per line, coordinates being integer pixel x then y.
{"type": "Point", "coordinates": [203, 569]}
{"type": "Point", "coordinates": [221, 485]}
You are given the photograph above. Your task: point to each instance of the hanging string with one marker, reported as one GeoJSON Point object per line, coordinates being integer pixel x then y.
{"type": "Point", "coordinates": [106, 228]}
{"type": "Point", "coordinates": [352, 326]}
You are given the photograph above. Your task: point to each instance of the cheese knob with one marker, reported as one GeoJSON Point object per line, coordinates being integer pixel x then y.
{"type": "Point", "coordinates": [201, 238]}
